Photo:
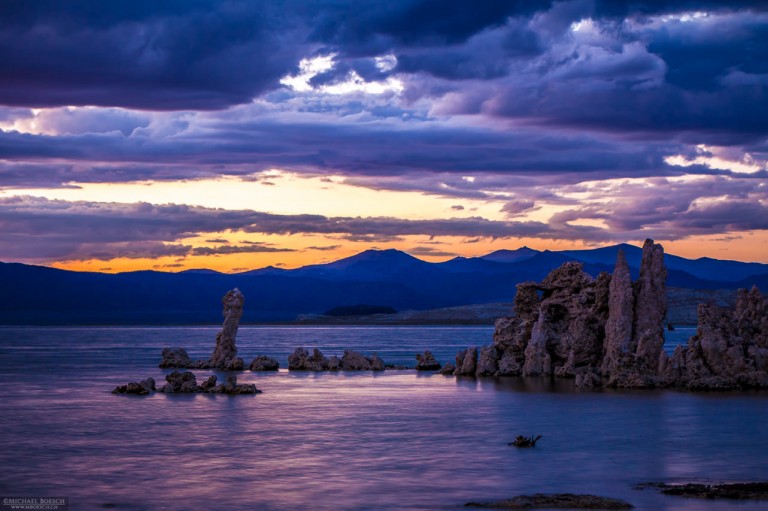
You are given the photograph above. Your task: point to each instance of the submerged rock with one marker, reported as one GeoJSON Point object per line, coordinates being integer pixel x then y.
{"type": "Point", "coordinates": [555, 501]}
{"type": "Point", "coordinates": [142, 388]}
{"type": "Point", "coordinates": [427, 362]}
{"type": "Point", "coordinates": [264, 363]}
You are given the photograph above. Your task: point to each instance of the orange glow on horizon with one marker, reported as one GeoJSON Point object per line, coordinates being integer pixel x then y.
{"type": "Point", "coordinates": [748, 247]}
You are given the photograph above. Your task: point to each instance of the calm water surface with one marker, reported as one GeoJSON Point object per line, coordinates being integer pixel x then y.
{"type": "Point", "coordinates": [393, 440]}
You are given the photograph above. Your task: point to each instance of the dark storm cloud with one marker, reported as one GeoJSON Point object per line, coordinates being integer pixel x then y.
{"type": "Point", "coordinates": [146, 55]}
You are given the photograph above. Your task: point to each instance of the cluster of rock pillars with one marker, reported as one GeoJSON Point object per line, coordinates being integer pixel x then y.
{"type": "Point", "coordinates": [604, 331]}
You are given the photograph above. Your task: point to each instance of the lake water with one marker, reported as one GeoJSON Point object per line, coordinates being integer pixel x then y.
{"type": "Point", "coordinates": [348, 441]}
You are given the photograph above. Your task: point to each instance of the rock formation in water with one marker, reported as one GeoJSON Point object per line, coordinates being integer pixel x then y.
{"type": "Point", "coordinates": [141, 388]}
{"type": "Point", "coordinates": [466, 362]}
{"type": "Point", "coordinates": [264, 363]}
{"type": "Point", "coordinates": [610, 330]}
{"type": "Point", "coordinates": [186, 383]}
{"type": "Point", "coordinates": [224, 355]}
{"type": "Point", "coordinates": [427, 362]}
{"type": "Point", "coordinates": [558, 329]}
{"type": "Point", "coordinates": [301, 360]}
{"type": "Point", "coordinates": [448, 368]}
{"type": "Point", "coordinates": [729, 350]}
{"type": "Point", "coordinates": [574, 326]}
{"type": "Point", "coordinates": [179, 382]}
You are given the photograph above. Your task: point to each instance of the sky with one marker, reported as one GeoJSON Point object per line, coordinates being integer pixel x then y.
{"type": "Point", "coordinates": [239, 134]}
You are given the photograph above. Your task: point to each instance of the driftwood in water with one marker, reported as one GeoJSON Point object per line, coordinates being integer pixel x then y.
{"type": "Point", "coordinates": [525, 441]}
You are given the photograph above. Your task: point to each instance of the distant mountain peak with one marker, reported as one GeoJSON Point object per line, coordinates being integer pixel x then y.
{"type": "Point", "coordinates": [509, 256]}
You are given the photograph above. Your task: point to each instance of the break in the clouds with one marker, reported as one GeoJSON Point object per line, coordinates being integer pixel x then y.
{"type": "Point", "coordinates": [582, 119]}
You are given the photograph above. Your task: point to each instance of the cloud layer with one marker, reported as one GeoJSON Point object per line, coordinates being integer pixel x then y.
{"type": "Point", "coordinates": [576, 120]}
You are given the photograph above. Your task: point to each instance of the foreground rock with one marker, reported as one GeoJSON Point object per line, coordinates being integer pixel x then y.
{"type": "Point", "coordinates": [301, 360]}
{"type": "Point", "coordinates": [264, 363]}
{"type": "Point", "coordinates": [427, 362]}
{"type": "Point", "coordinates": [186, 383]}
{"type": "Point", "coordinates": [224, 355]}
{"type": "Point", "coordinates": [737, 491]}
{"type": "Point", "coordinates": [555, 501]}
{"type": "Point", "coordinates": [142, 388]}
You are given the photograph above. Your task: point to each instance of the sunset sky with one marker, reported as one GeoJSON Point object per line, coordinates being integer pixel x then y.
{"type": "Point", "coordinates": [234, 135]}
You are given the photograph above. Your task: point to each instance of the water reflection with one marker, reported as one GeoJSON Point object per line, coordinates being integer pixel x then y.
{"type": "Point", "coordinates": [395, 440]}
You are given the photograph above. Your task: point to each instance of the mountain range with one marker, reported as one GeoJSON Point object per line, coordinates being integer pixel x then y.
{"type": "Point", "coordinates": [38, 295]}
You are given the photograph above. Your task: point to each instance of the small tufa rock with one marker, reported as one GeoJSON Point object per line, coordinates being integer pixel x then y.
{"type": "Point", "coordinates": [180, 383]}
{"type": "Point", "coordinates": [141, 388]}
{"type": "Point", "coordinates": [355, 361]}
{"type": "Point", "coordinates": [175, 358]}
{"type": "Point", "coordinates": [377, 364]}
{"type": "Point", "coordinates": [264, 363]}
{"type": "Point", "coordinates": [301, 360]}
{"type": "Point", "coordinates": [466, 362]}
{"type": "Point", "coordinates": [427, 362]}
{"type": "Point", "coordinates": [208, 384]}
{"type": "Point", "coordinates": [448, 368]}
